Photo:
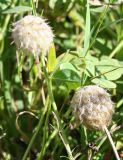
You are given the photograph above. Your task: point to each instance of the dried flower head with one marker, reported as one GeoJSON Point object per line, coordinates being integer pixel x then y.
{"type": "Point", "coordinates": [92, 106]}
{"type": "Point", "coordinates": [32, 34]}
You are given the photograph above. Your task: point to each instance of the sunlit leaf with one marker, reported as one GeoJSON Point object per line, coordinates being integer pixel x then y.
{"type": "Point", "coordinates": [110, 68]}
{"type": "Point", "coordinates": [51, 64]}
{"type": "Point", "coordinates": [104, 83]}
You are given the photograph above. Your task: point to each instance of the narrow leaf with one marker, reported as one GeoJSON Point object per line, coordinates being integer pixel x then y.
{"type": "Point", "coordinates": [52, 62]}
{"type": "Point", "coordinates": [87, 29]}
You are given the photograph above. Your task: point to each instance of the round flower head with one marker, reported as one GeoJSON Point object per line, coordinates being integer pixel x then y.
{"type": "Point", "coordinates": [32, 34]}
{"type": "Point", "coordinates": [92, 106]}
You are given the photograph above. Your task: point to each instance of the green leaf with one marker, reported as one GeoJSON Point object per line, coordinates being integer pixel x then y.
{"type": "Point", "coordinates": [111, 23]}
{"type": "Point", "coordinates": [68, 57]}
{"type": "Point", "coordinates": [52, 3]}
{"type": "Point", "coordinates": [67, 65]}
{"type": "Point", "coordinates": [104, 83]}
{"type": "Point", "coordinates": [90, 67]}
{"type": "Point", "coordinates": [52, 62]}
{"type": "Point", "coordinates": [18, 9]}
{"type": "Point", "coordinates": [66, 75]}
{"type": "Point", "coordinates": [72, 86]}
{"type": "Point", "coordinates": [97, 9]}
{"type": "Point", "coordinates": [110, 68]}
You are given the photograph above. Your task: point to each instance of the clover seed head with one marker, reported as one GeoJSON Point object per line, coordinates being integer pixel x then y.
{"type": "Point", "coordinates": [92, 106]}
{"type": "Point", "coordinates": [32, 34]}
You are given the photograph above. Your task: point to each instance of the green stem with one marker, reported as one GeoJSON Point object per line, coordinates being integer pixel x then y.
{"type": "Point", "coordinates": [40, 155]}
{"type": "Point", "coordinates": [116, 50]}
{"type": "Point", "coordinates": [45, 146]}
{"type": "Point", "coordinates": [51, 97]}
{"type": "Point", "coordinates": [86, 138]}
{"type": "Point", "coordinates": [33, 7]}
{"type": "Point", "coordinates": [32, 140]}
{"type": "Point", "coordinates": [35, 133]}
{"type": "Point", "coordinates": [62, 134]}
{"type": "Point", "coordinates": [101, 142]}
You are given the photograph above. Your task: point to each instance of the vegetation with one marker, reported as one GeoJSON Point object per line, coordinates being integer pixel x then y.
{"type": "Point", "coordinates": [36, 120]}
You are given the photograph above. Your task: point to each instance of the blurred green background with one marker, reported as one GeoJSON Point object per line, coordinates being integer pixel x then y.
{"type": "Point", "coordinates": [89, 50]}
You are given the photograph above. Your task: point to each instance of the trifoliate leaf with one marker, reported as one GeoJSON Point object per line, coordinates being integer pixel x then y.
{"type": "Point", "coordinates": [104, 83]}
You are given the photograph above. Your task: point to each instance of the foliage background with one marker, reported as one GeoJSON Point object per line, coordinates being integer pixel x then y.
{"type": "Point", "coordinates": [89, 50]}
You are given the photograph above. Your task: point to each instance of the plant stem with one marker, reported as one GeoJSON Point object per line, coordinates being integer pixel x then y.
{"type": "Point", "coordinates": [86, 138]}
{"type": "Point", "coordinates": [51, 97]}
{"type": "Point", "coordinates": [116, 50]}
{"type": "Point", "coordinates": [33, 7]}
{"type": "Point", "coordinates": [40, 155]}
{"type": "Point", "coordinates": [49, 86]}
{"type": "Point", "coordinates": [45, 146]}
{"type": "Point", "coordinates": [32, 140]}
{"type": "Point", "coordinates": [112, 143]}
{"type": "Point", "coordinates": [35, 133]}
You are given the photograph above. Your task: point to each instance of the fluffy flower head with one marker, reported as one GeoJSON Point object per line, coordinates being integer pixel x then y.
{"type": "Point", "coordinates": [32, 34]}
{"type": "Point", "coordinates": [92, 106]}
